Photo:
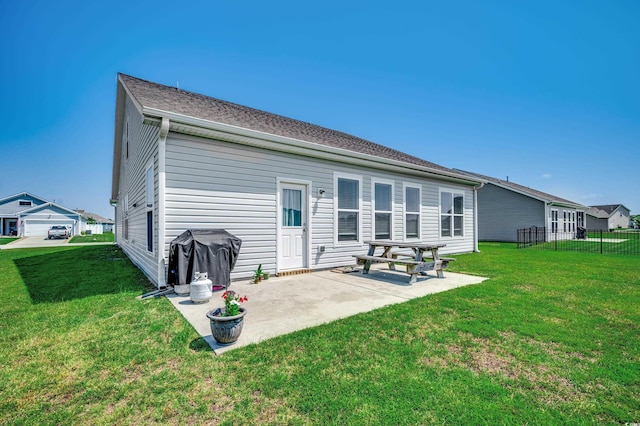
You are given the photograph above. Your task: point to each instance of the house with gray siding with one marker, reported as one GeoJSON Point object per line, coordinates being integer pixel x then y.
{"type": "Point", "coordinates": [300, 196]}
{"type": "Point", "coordinates": [505, 206]}
{"type": "Point", "coordinates": [608, 216]}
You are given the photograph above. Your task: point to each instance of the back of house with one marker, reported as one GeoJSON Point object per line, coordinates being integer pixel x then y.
{"type": "Point", "coordinates": [300, 197]}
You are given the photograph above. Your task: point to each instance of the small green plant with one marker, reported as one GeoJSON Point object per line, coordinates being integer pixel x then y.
{"type": "Point", "coordinates": [232, 303]}
{"type": "Point", "coordinates": [257, 274]}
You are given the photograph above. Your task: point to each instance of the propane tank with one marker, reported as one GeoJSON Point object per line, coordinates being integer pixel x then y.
{"type": "Point", "coordinates": [200, 288]}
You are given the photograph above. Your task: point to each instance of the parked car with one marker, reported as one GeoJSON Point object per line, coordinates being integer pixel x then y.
{"type": "Point", "coordinates": [58, 231]}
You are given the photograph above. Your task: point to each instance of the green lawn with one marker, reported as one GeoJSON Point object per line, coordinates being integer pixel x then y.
{"type": "Point", "coordinates": [551, 338]}
{"type": "Point", "coordinates": [107, 237]}
{"type": "Point", "coordinates": [7, 240]}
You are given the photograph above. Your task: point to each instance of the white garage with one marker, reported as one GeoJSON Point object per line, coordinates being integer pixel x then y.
{"type": "Point", "coordinates": [38, 220]}
{"type": "Point", "coordinates": [36, 228]}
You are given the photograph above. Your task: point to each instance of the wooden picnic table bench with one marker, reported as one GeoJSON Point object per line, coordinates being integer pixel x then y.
{"type": "Point", "coordinates": [425, 257]}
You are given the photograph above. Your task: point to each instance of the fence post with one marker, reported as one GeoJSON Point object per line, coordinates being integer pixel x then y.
{"type": "Point", "coordinates": [601, 241]}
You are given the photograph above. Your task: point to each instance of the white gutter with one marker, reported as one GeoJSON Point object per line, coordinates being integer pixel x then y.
{"type": "Point", "coordinates": [162, 158]}
{"type": "Point", "coordinates": [296, 146]}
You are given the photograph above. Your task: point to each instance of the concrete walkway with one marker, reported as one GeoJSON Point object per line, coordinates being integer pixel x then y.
{"type": "Point", "coordinates": [282, 305]}
{"type": "Point", "coordinates": [33, 242]}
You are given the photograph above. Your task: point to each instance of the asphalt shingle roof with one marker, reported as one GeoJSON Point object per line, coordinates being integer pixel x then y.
{"type": "Point", "coordinates": [523, 189]}
{"type": "Point", "coordinates": [608, 208]}
{"type": "Point", "coordinates": [171, 99]}
{"type": "Point", "coordinates": [596, 212]}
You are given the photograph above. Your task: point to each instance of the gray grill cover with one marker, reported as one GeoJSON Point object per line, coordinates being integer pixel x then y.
{"type": "Point", "coordinates": [203, 250]}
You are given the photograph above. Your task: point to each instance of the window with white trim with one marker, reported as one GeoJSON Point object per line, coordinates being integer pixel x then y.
{"type": "Point", "coordinates": [412, 211]}
{"type": "Point", "coordinates": [451, 214]}
{"type": "Point", "coordinates": [554, 221]}
{"type": "Point", "coordinates": [564, 221]}
{"type": "Point", "coordinates": [24, 203]}
{"type": "Point", "coordinates": [382, 210]}
{"type": "Point", "coordinates": [348, 206]}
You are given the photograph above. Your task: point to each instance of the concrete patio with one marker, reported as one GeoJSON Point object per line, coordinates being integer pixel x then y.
{"type": "Point", "coordinates": [282, 305]}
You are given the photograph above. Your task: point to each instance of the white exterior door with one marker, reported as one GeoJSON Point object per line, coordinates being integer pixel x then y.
{"type": "Point", "coordinates": [293, 226]}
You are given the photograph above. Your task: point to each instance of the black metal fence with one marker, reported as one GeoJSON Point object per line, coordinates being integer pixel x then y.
{"type": "Point", "coordinates": [583, 240]}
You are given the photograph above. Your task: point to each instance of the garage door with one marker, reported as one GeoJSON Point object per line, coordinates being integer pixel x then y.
{"type": "Point", "coordinates": [37, 228]}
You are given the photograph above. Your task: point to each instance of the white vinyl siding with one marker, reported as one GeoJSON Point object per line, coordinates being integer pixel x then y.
{"type": "Point", "coordinates": [131, 229]}
{"type": "Point", "coordinates": [215, 184]}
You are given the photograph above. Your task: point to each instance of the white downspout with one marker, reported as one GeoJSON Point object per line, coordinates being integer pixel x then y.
{"type": "Point", "coordinates": [475, 217]}
{"type": "Point", "coordinates": [114, 204]}
{"type": "Point", "coordinates": [162, 158]}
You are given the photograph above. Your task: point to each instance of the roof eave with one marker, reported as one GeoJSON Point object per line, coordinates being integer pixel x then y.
{"type": "Point", "coordinates": [298, 146]}
{"type": "Point", "coordinates": [49, 204]}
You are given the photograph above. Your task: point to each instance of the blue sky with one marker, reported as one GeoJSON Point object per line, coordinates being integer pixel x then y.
{"type": "Point", "coordinates": [545, 92]}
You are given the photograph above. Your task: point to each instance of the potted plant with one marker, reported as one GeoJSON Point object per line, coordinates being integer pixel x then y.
{"type": "Point", "coordinates": [226, 323]}
{"type": "Point", "coordinates": [257, 274]}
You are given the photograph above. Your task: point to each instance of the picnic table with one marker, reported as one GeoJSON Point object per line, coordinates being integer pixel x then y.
{"type": "Point", "coordinates": [424, 258]}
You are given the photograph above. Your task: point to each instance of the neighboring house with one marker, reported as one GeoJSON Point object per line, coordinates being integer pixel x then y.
{"type": "Point", "coordinates": [27, 215]}
{"type": "Point", "coordinates": [608, 216]}
{"type": "Point", "coordinates": [94, 223]}
{"type": "Point", "coordinates": [301, 197]}
{"type": "Point", "coordinates": [504, 207]}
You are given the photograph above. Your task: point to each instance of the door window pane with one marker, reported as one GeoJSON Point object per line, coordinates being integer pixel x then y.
{"type": "Point", "coordinates": [291, 207]}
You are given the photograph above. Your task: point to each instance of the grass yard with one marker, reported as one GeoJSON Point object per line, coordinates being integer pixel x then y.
{"type": "Point", "coordinates": [551, 338]}
{"type": "Point", "coordinates": [7, 240]}
{"type": "Point", "coordinates": [106, 237]}
{"type": "Point", "coordinates": [627, 242]}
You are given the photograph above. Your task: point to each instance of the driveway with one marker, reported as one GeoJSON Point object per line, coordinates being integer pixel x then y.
{"type": "Point", "coordinates": [30, 242]}
{"type": "Point", "coordinates": [33, 242]}
{"type": "Point", "coordinates": [282, 305]}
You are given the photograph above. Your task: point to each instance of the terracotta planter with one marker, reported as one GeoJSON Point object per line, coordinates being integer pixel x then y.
{"type": "Point", "coordinates": [226, 330]}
